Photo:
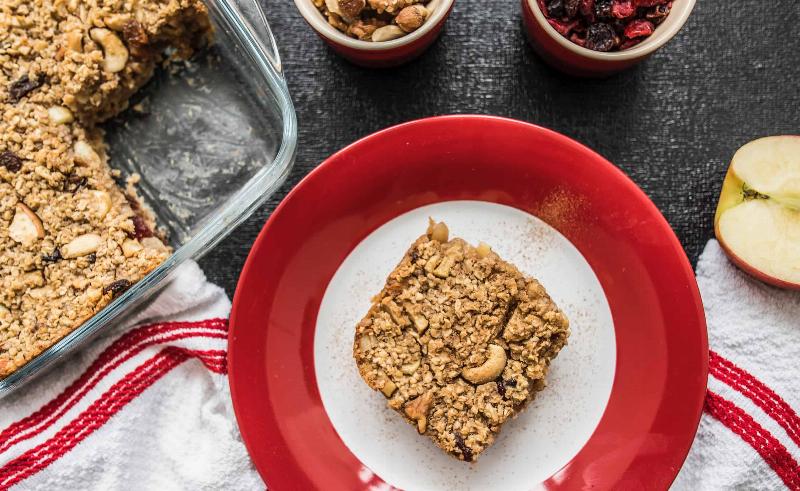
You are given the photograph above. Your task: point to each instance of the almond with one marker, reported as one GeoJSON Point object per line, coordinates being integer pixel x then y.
{"type": "Point", "coordinates": [26, 227]}
{"type": "Point", "coordinates": [411, 18]}
{"type": "Point", "coordinates": [387, 33]}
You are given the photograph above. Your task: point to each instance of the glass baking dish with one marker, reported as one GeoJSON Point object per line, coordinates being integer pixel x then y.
{"type": "Point", "coordinates": [212, 139]}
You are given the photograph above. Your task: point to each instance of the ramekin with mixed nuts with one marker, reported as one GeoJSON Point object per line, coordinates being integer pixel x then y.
{"type": "Point", "coordinates": [376, 20]}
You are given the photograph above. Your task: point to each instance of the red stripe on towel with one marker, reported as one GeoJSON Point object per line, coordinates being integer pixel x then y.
{"type": "Point", "coordinates": [130, 338]}
{"type": "Point", "coordinates": [762, 441]}
{"type": "Point", "coordinates": [101, 410]}
{"type": "Point", "coordinates": [124, 348]}
{"type": "Point", "coordinates": [755, 390]}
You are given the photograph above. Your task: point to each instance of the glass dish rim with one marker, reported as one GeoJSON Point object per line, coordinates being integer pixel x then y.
{"type": "Point", "coordinates": [239, 206]}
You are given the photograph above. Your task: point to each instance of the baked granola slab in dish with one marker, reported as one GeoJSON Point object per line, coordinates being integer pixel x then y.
{"type": "Point", "coordinates": [459, 341]}
{"type": "Point", "coordinates": [72, 238]}
{"type": "Point", "coordinates": [93, 199]}
{"type": "Point", "coordinates": [460, 338]}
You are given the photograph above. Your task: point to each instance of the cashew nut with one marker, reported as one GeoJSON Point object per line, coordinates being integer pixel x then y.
{"type": "Point", "coordinates": [483, 249]}
{"type": "Point", "coordinates": [81, 245]}
{"type": "Point", "coordinates": [85, 154]}
{"type": "Point", "coordinates": [131, 247]}
{"type": "Point", "coordinates": [437, 231]}
{"type": "Point", "coordinates": [491, 368]}
{"type": "Point", "coordinates": [25, 227]}
{"type": "Point", "coordinates": [387, 33]}
{"type": "Point", "coordinates": [417, 409]}
{"type": "Point", "coordinates": [60, 115]}
{"type": "Point", "coordinates": [333, 6]}
{"type": "Point", "coordinates": [116, 54]}
{"type": "Point", "coordinates": [98, 203]}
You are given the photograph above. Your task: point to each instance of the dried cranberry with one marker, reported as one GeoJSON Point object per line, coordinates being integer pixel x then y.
{"type": "Point", "coordinates": [603, 9]}
{"type": "Point", "coordinates": [571, 8]}
{"type": "Point", "coordinates": [622, 9]}
{"type": "Point", "coordinates": [542, 6]}
{"type": "Point", "coordinates": [577, 39]}
{"type": "Point", "coordinates": [619, 26]}
{"type": "Point", "coordinates": [639, 28]}
{"type": "Point", "coordinates": [140, 228]}
{"type": "Point", "coordinates": [587, 10]}
{"type": "Point", "coordinates": [629, 43]}
{"type": "Point", "coordinates": [23, 86]}
{"type": "Point", "coordinates": [657, 14]}
{"type": "Point", "coordinates": [555, 8]}
{"type": "Point", "coordinates": [649, 3]}
{"type": "Point", "coordinates": [501, 387]}
{"type": "Point", "coordinates": [465, 450]}
{"type": "Point", "coordinates": [563, 28]}
{"type": "Point", "coordinates": [619, 20]}
{"type": "Point", "coordinates": [601, 37]}
{"type": "Point", "coordinates": [135, 37]}
{"type": "Point", "coordinates": [10, 161]}
{"type": "Point", "coordinates": [54, 257]}
{"type": "Point", "coordinates": [116, 288]}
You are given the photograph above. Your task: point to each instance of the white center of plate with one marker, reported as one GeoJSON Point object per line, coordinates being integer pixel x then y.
{"type": "Point", "coordinates": [542, 439]}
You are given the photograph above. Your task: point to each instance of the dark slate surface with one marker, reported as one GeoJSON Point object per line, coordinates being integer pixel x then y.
{"type": "Point", "coordinates": [671, 123]}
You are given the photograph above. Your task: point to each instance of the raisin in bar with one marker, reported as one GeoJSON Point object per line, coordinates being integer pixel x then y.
{"type": "Point", "coordinates": [71, 239]}
{"type": "Point", "coordinates": [458, 341]}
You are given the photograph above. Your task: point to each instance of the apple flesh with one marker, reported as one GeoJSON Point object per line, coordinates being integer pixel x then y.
{"type": "Point", "coordinates": [758, 215]}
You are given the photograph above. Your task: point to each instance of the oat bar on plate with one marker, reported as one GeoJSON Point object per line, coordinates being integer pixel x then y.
{"type": "Point", "coordinates": [70, 238]}
{"type": "Point", "coordinates": [459, 341]}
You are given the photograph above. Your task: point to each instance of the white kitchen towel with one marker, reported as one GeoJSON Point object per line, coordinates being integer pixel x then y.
{"type": "Point", "coordinates": [749, 435]}
{"type": "Point", "coordinates": [146, 406]}
{"type": "Point", "coordinates": [149, 407]}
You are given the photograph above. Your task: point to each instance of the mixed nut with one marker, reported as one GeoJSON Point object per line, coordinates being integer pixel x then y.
{"type": "Point", "coordinates": [376, 20]}
{"type": "Point", "coordinates": [605, 25]}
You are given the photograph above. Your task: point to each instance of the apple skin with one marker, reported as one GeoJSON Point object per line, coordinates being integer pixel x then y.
{"type": "Point", "coordinates": [730, 196]}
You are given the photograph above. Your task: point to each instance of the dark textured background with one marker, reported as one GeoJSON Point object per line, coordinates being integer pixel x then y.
{"type": "Point", "coordinates": [671, 123]}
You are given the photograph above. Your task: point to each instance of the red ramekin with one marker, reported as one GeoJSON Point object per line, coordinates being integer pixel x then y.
{"type": "Point", "coordinates": [564, 55]}
{"type": "Point", "coordinates": [378, 54]}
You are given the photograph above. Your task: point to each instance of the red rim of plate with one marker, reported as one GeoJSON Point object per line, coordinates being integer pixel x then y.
{"type": "Point", "coordinates": [662, 348]}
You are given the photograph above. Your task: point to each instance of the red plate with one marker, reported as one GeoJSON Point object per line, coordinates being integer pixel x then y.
{"type": "Point", "coordinates": [659, 378]}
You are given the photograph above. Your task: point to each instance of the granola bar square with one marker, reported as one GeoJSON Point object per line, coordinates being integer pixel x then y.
{"type": "Point", "coordinates": [459, 341]}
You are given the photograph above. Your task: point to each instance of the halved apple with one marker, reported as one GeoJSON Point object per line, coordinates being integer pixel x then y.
{"type": "Point", "coordinates": [758, 216]}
